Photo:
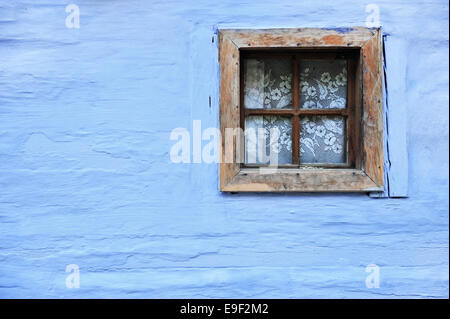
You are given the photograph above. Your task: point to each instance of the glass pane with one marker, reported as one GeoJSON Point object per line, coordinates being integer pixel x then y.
{"type": "Point", "coordinates": [323, 84]}
{"type": "Point", "coordinates": [268, 84]}
{"type": "Point", "coordinates": [322, 140]}
{"type": "Point", "coordinates": [258, 150]}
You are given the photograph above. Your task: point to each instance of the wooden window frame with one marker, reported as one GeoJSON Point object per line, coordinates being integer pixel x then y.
{"type": "Point", "coordinates": [365, 172]}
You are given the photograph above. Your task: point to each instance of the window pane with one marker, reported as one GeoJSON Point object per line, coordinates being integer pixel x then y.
{"type": "Point", "coordinates": [323, 84]}
{"type": "Point", "coordinates": [268, 83]}
{"type": "Point", "coordinates": [257, 151]}
{"type": "Point", "coordinates": [322, 139]}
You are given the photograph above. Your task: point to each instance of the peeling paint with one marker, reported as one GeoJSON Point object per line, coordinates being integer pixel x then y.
{"type": "Point", "coordinates": [340, 30]}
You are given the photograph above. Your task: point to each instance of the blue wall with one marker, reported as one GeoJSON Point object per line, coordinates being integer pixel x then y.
{"type": "Point", "coordinates": [86, 177]}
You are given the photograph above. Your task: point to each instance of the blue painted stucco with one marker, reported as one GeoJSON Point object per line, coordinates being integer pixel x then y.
{"type": "Point", "coordinates": [86, 177]}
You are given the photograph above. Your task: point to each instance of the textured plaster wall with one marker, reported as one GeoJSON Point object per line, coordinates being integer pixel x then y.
{"type": "Point", "coordinates": [86, 177]}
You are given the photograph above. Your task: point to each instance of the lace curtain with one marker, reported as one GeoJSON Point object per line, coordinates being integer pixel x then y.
{"type": "Point", "coordinates": [268, 84]}
{"type": "Point", "coordinates": [322, 139]}
{"type": "Point", "coordinates": [323, 85]}
{"type": "Point", "coordinates": [254, 125]}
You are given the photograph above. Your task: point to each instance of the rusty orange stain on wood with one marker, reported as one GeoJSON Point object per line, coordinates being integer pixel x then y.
{"type": "Point", "coordinates": [333, 39]}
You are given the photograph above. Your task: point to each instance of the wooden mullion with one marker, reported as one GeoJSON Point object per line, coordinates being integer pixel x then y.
{"type": "Point", "coordinates": [293, 111]}
{"type": "Point", "coordinates": [279, 112]}
{"type": "Point", "coordinates": [319, 112]}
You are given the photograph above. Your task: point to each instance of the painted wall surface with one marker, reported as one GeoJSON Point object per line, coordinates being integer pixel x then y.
{"type": "Point", "coordinates": [86, 176]}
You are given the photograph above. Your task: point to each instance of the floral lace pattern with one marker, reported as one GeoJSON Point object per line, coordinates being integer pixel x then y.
{"type": "Point", "coordinates": [322, 139]}
{"type": "Point", "coordinates": [268, 84]}
{"type": "Point", "coordinates": [284, 147]}
{"type": "Point", "coordinates": [323, 84]}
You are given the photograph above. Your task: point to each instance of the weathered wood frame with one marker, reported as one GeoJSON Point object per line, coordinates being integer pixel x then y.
{"type": "Point", "coordinates": [367, 173]}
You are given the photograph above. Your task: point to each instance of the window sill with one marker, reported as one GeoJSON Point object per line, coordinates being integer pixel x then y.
{"type": "Point", "coordinates": [301, 180]}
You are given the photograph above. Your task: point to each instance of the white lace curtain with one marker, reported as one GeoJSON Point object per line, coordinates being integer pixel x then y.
{"type": "Point", "coordinates": [323, 84]}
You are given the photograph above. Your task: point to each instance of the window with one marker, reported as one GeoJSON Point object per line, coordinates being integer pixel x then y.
{"type": "Point", "coordinates": [309, 98]}
{"type": "Point", "coordinates": [316, 94]}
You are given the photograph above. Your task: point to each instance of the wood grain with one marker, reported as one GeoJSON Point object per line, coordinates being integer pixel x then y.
{"type": "Point", "coordinates": [229, 108]}
{"type": "Point", "coordinates": [299, 37]}
{"type": "Point", "coordinates": [373, 109]}
{"type": "Point", "coordinates": [301, 180]}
